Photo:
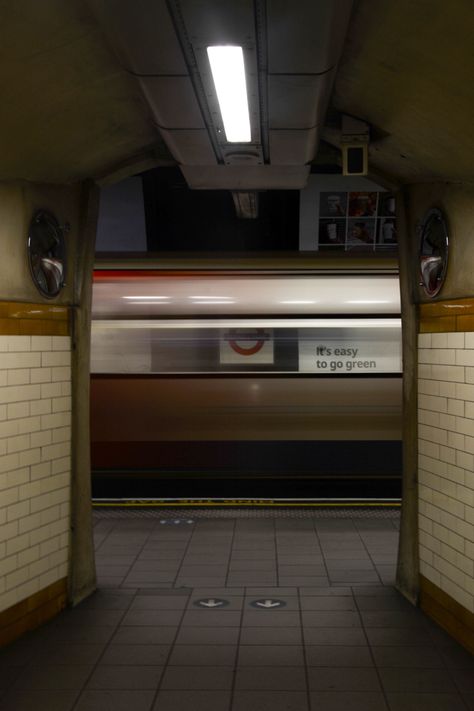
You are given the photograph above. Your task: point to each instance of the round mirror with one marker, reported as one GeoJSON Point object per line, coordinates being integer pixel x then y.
{"type": "Point", "coordinates": [47, 253]}
{"type": "Point", "coordinates": [433, 252]}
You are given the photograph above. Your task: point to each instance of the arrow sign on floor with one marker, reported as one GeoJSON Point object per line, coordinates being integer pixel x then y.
{"type": "Point", "coordinates": [268, 604]}
{"type": "Point", "coordinates": [211, 602]}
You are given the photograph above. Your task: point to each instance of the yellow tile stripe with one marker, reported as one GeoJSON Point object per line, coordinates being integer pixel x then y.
{"type": "Point", "coordinates": [447, 316]}
{"type": "Point", "coordinates": [29, 319]}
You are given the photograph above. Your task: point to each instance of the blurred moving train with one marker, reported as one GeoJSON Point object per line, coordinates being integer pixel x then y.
{"type": "Point", "coordinates": [245, 384]}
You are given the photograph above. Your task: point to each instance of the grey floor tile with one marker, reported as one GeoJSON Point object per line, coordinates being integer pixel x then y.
{"type": "Point", "coordinates": [88, 618]}
{"type": "Point", "coordinates": [383, 603]}
{"type": "Point", "coordinates": [159, 602]}
{"type": "Point", "coordinates": [271, 678]}
{"type": "Point", "coordinates": [407, 656]}
{"type": "Point", "coordinates": [306, 570]}
{"type": "Point", "coordinates": [315, 559]}
{"type": "Point", "coordinates": [122, 700]}
{"type": "Point", "coordinates": [145, 635]}
{"type": "Point", "coordinates": [252, 577]}
{"type": "Point", "coordinates": [270, 701]}
{"type": "Point", "coordinates": [329, 603]}
{"type": "Point", "coordinates": [344, 700]}
{"type": "Point", "coordinates": [150, 566]}
{"type": "Point", "coordinates": [24, 649]}
{"type": "Point", "coordinates": [439, 637]}
{"type": "Point", "coordinates": [8, 676]}
{"type": "Point", "coordinates": [301, 580]}
{"type": "Point", "coordinates": [136, 654]}
{"type": "Point", "coordinates": [338, 656]}
{"type": "Point", "coordinates": [331, 618]}
{"type": "Point", "coordinates": [351, 564]}
{"type": "Point", "coordinates": [109, 583]}
{"type": "Point", "coordinates": [271, 635]}
{"type": "Point", "coordinates": [192, 701]}
{"type": "Point", "coordinates": [393, 637]}
{"type": "Point", "coordinates": [39, 701]}
{"type": "Point", "coordinates": [353, 576]}
{"type": "Point", "coordinates": [208, 635]}
{"type": "Point", "coordinates": [190, 655]}
{"type": "Point", "coordinates": [346, 636]}
{"type": "Point", "coordinates": [202, 571]}
{"type": "Point", "coordinates": [420, 680]}
{"type": "Point", "coordinates": [141, 579]}
{"type": "Point", "coordinates": [464, 679]}
{"type": "Point", "coordinates": [337, 591]}
{"type": "Point", "coordinates": [102, 600]}
{"type": "Point", "coordinates": [407, 619]}
{"type": "Point", "coordinates": [270, 618]}
{"type": "Point", "coordinates": [376, 590]}
{"type": "Point", "coordinates": [194, 582]}
{"type": "Point", "coordinates": [469, 701]}
{"type": "Point", "coordinates": [425, 702]}
{"type": "Point", "coordinates": [224, 591]}
{"type": "Point", "coordinates": [54, 677]}
{"type": "Point", "coordinates": [71, 654]}
{"type": "Point", "coordinates": [211, 618]}
{"type": "Point", "coordinates": [350, 679]}
{"type": "Point", "coordinates": [456, 657]}
{"type": "Point", "coordinates": [162, 618]}
{"type": "Point", "coordinates": [112, 570]}
{"type": "Point", "coordinates": [248, 564]}
{"type": "Point", "coordinates": [258, 555]}
{"type": "Point", "coordinates": [198, 678]}
{"type": "Point", "coordinates": [161, 554]}
{"type": "Point", "coordinates": [121, 676]}
{"type": "Point", "coordinates": [269, 591]}
{"type": "Point", "coordinates": [77, 634]}
{"type": "Point", "coordinates": [270, 656]}
{"type": "Point", "coordinates": [341, 553]}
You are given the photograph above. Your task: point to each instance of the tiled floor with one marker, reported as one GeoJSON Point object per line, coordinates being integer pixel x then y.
{"type": "Point", "coordinates": [187, 618]}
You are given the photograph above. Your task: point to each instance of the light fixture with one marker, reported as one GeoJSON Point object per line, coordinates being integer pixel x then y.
{"type": "Point", "coordinates": [228, 73]}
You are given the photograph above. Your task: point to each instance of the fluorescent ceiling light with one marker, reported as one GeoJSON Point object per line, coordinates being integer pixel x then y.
{"type": "Point", "coordinates": [228, 72]}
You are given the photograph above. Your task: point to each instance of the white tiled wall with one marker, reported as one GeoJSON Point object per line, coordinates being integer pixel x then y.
{"type": "Point", "coordinates": [446, 462]}
{"type": "Point", "coordinates": [35, 444]}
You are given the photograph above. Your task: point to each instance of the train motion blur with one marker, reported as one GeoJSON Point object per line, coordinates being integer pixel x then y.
{"type": "Point", "coordinates": [225, 384]}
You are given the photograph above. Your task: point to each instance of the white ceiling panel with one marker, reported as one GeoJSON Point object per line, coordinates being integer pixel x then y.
{"type": "Point", "coordinates": [173, 102]}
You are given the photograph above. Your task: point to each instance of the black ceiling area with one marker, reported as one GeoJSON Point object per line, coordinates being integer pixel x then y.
{"type": "Point", "coordinates": [180, 219]}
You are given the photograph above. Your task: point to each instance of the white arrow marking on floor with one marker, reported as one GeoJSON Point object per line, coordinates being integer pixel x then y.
{"type": "Point", "coordinates": [211, 603]}
{"type": "Point", "coordinates": [268, 603]}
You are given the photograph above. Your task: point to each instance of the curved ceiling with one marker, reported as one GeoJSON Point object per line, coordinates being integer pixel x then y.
{"type": "Point", "coordinates": [72, 108]}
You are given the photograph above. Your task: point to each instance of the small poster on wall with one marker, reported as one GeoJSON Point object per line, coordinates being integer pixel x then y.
{"type": "Point", "coordinates": [356, 221]}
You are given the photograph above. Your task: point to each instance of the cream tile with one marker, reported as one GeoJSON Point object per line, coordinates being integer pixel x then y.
{"type": "Point", "coordinates": [41, 343]}
{"type": "Point", "coordinates": [56, 359]}
{"type": "Point", "coordinates": [455, 340]}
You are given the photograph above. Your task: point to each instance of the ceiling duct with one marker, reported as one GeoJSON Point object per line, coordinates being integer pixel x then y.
{"type": "Point", "coordinates": [290, 51]}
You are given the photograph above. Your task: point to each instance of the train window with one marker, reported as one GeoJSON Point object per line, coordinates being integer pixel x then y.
{"type": "Point", "coordinates": [325, 347]}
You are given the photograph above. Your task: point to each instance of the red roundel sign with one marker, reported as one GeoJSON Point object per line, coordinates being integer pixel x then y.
{"type": "Point", "coordinates": [247, 344]}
